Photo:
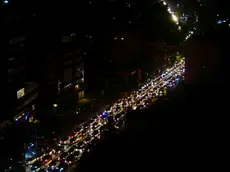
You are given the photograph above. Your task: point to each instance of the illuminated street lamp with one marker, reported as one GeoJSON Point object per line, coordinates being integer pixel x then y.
{"type": "Point", "coordinates": [55, 105]}
{"type": "Point", "coordinates": [175, 18]}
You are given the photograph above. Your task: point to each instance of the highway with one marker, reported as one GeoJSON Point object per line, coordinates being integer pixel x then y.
{"type": "Point", "coordinates": [70, 150]}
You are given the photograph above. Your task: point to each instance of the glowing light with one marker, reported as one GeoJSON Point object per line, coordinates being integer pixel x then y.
{"type": "Point", "coordinates": [5, 1]}
{"type": "Point", "coordinates": [175, 18]}
{"type": "Point", "coordinates": [139, 98]}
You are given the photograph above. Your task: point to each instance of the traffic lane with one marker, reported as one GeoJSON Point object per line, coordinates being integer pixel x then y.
{"type": "Point", "coordinates": [67, 150]}
{"type": "Point", "coordinates": [82, 139]}
{"type": "Point", "coordinates": [163, 85]}
{"type": "Point", "coordinates": [70, 122]}
{"type": "Point", "coordinates": [70, 146]}
{"type": "Point", "coordinates": [99, 106]}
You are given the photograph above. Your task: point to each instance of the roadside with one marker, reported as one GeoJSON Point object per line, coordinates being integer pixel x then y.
{"type": "Point", "coordinates": [65, 122]}
{"type": "Point", "coordinates": [70, 120]}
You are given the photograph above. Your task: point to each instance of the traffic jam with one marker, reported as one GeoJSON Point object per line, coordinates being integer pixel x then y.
{"type": "Point", "coordinates": [69, 150]}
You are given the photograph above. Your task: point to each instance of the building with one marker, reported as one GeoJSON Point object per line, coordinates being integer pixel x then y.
{"type": "Point", "coordinates": [71, 67]}
{"type": "Point", "coordinates": [22, 94]}
{"type": "Point", "coordinates": [61, 75]}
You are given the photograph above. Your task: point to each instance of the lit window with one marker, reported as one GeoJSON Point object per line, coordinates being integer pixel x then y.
{"type": "Point", "coordinates": [21, 93]}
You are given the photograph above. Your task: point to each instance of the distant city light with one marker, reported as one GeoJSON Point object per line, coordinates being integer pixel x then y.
{"type": "Point", "coordinates": [222, 21]}
{"type": "Point", "coordinates": [5, 2]}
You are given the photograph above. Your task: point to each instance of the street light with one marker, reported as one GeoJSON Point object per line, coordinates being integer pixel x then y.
{"type": "Point", "coordinates": [175, 18]}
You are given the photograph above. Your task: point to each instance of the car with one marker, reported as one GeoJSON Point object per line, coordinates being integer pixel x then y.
{"type": "Point", "coordinates": [70, 159]}
{"type": "Point", "coordinates": [81, 135]}
{"type": "Point", "coordinates": [53, 164]}
{"type": "Point", "coordinates": [48, 150]}
{"type": "Point", "coordinates": [119, 116]}
{"type": "Point", "coordinates": [63, 156]}
{"type": "Point", "coordinates": [63, 140]}
{"type": "Point", "coordinates": [77, 130]}
{"type": "Point", "coordinates": [95, 133]}
{"type": "Point", "coordinates": [80, 145]}
{"type": "Point", "coordinates": [104, 129]}
{"type": "Point", "coordinates": [141, 106]}
{"type": "Point", "coordinates": [59, 149]}
{"type": "Point", "coordinates": [85, 126]}
{"type": "Point", "coordinates": [87, 140]}
{"type": "Point", "coordinates": [95, 125]}
{"type": "Point", "coordinates": [73, 140]}
{"type": "Point", "coordinates": [72, 149]}
{"type": "Point", "coordinates": [63, 167]}
{"type": "Point", "coordinates": [108, 109]}
{"type": "Point", "coordinates": [36, 166]}
{"type": "Point", "coordinates": [91, 121]}
{"type": "Point", "coordinates": [76, 154]}
{"type": "Point", "coordinates": [72, 134]}
{"type": "Point", "coordinates": [46, 159]}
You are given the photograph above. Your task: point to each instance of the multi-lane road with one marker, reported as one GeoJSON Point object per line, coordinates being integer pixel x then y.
{"type": "Point", "coordinates": [69, 150]}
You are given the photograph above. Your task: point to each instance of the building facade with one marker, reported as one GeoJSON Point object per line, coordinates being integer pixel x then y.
{"type": "Point", "coordinates": [22, 94]}
{"type": "Point", "coordinates": [61, 76]}
{"type": "Point", "coordinates": [71, 67]}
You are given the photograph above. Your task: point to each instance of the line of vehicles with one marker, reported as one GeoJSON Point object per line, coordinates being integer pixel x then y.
{"type": "Point", "coordinates": [69, 149]}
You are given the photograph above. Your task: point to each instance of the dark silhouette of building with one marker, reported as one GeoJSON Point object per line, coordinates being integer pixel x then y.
{"type": "Point", "coordinates": [202, 62]}
{"type": "Point", "coordinates": [22, 93]}
{"type": "Point", "coordinates": [18, 101]}
{"type": "Point", "coordinates": [206, 76]}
